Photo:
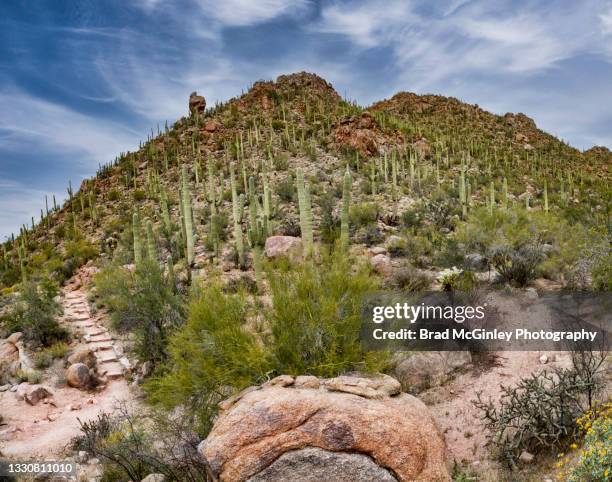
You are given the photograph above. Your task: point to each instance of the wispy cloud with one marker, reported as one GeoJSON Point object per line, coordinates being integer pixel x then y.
{"type": "Point", "coordinates": [19, 203]}
{"type": "Point", "coordinates": [42, 125]}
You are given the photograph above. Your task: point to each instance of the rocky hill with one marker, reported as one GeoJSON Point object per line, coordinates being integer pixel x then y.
{"type": "Point", "coordinates": [231, 254]}
{"type": "Point", "coordinates": [404, 149]}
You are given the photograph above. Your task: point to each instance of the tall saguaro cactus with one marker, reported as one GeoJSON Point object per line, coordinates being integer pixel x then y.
{"type": "Point", "coordinates": [305, 212]}
{"type": "Point", "coordinates": [137, 239]}
{"type": "Point", "coordinates": [187, 215]}
{"type": "Point", "coordinates": [236, 214]}
{"type": "Point", "coordinates": [151, 248]}
{"type": "Point", "coordinates": [344, 216]}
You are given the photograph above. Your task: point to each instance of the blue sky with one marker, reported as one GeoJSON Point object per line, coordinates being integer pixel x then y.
{"type": "Point", "coordinates": [82, 81]}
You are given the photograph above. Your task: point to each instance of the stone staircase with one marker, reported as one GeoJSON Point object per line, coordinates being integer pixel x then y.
{"type": "Point", "coordinates": [112, 363]}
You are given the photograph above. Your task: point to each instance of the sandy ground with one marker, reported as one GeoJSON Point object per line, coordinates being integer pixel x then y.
{"type": "Point", "coordinates": [456, 415]}
{"type": "Point", "coordinates": [44, 430]}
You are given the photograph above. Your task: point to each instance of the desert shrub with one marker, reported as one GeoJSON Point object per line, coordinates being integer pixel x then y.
{"type": "Point", "coordinates": [113, 195]}
{"type": "Point", "coordinates": [286, 189]}
{"type": "Point", "coordinates": [139, 195]}
{"type": "Point", "coordinates": [43, 358]}
{"type": "Point", "coordinates": [369, 235]}
{"type": "Point", "coordinates": [330, 224]}
{"type": "Point", "coordinates": [144, 303]}
{"type": "Point", "coordinates": [211, 355]}
{"type": "Point", "coordinates": [290, 226]}
{"type": "Point", "coordinates": [601, 272]}
{"type": "Point", "coordinates": [131, 446]}
{"type": "Point", "coordinates": [595, 463]}
{"type": "Point", "coordinates": [537, 414]}
{"type": "Point", "coordinates": [516, 265]}
{"type": "Point", "coordinates": [398, 247]}
{"type": "Point", "coordinates": [520, 231]}
{"type": "Point", "coordinates": [34, 314]}
{"type": "Point", "coordinates": [312, 328]}
{"type": "Point", "coordinates": [363, 214]}
{"type": "Point", "coordinates": [78, 252]}
{"type": "Point", "coordinates": [316, 317]}
{"type": "Point", "coordinates": [411, 218]}
{"type": "Point", "coordinates": [408, 278]}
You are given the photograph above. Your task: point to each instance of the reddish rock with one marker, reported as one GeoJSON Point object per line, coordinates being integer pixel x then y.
{"type": "Point", "coordinates": [83, 355]}
{"type": "Point", "coordinates": [212, 126]}
{"type": "Point", "coordinates": [197, 103]}
{"type": "Point", "coordinates": [396, 432]}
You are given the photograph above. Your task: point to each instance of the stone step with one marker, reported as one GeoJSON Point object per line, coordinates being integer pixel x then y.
{"type": "Point", "coordinates": [74, 318]}
{"type": "Point", "coordinates": [83, 324]}
{"type": "Point", "coordinates": [100, 346]}
{"type": "Point", "coordinates": [94, 339]}
{"type": "Point", "coordinates": [106, 356]}
{"type": "Point", "coordinates": [112, 370]}
{"type": "Point", "coordinates": [96, 330]}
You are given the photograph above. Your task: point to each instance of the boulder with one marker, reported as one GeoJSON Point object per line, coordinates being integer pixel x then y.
{"type": "Point", "coordinates": [197, 103]}
{"type": "Point", "coordinates": [419, 371]}
{"type": "Point", "coordinates": [77, 375]}
{"type": "Point", "coordinates": [345, 428]}
{"type": "Point", "coordinates": [315, 464]}
{"type": "Point", "coordinates": [381, 263]}
{"type": "Point", "coordinates": [32, 394]}
{"type": "Point", "coordinates": [84, 356]}
{"type": "Point", "coordinates": [279, 246]}
{"type": "Point", "coordinates": [212, 126]}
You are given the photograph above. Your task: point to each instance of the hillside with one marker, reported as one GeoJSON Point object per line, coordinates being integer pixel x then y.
{"type": "Point", "coordinates": [300, 121]}
{"type": "Point", "coordinates": [236, 247]}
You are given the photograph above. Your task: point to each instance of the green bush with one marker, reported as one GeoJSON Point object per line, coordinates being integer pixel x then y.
{"type": "Point", "coordinates": [408, 278]}
{"type": "Point", "coordinates": [43, 358]}
{"type": "Point", "coordinates": [316, 317]}
{"type": "Point", "coordinates": [312, 328]}
{"type": "Point", "coordinates": [211, 353]}
{"type": "Point", "coordinates": [142, 302]}
{"type": "Point", "coordinates": [34, 314]}
{"type": "Point", "coordinates": [516, 233]}
{"type": "Point", "coordinates": [363, 214]}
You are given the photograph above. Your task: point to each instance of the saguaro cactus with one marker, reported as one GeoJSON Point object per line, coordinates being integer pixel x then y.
{"type": "Point", "coordinates": [305, 212]}
{"type": "Point", "coordinates": [187, 216]}
{"type": "Point", "coordinates": [346, 201]}
{"type": "Point", "coordinates": [237, 216]}
{"type": "Point", "coordinates": [137, 240]}
{"type": "Point", "coordinates": [151, 248]}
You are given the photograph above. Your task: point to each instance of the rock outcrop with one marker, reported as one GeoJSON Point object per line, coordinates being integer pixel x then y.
{"type": "Point", "coordinates": [306, 429]}
{"type": "Point", "coordinates": [197, 103]}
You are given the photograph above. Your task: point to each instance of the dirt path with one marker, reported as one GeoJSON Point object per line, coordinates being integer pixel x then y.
{"type": "Point", "coordinates": [45, 429]}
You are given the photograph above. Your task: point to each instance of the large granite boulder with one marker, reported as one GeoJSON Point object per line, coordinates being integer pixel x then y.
{"type": "Point", "coordinates": [347, 428]}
